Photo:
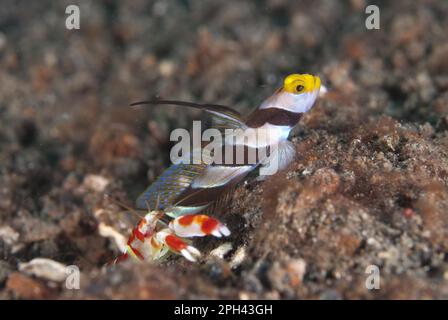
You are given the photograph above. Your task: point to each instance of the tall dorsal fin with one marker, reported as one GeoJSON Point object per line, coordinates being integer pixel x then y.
{"type": "Point", "coordinates": [229, 116]}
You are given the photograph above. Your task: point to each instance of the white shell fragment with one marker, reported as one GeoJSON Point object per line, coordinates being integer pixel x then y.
{"type": "Point", "coordinates": [109, 232]}
{"type": "Point", "coordinates": [222, 250]}
{"type": "Point", "coordinates": [238, 257]}
{"type": "Point", "coordinates": [9, 235]}
{"type": "Point", "coordinates": [44, 268]}
{"type": "Point", "coordinates": [96, 182]}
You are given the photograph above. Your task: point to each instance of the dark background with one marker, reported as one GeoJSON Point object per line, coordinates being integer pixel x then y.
{"type": "Point", "coordinates": [369, 185]}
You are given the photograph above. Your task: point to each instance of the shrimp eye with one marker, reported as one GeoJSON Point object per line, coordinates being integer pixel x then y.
{"type": "Point", "coordinates": [300, 88]}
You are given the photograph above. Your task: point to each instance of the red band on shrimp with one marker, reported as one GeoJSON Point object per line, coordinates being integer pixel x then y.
{"type": "Point", "coordinates": [121, 258]}
{"type": "Point", "coordinates": [137, 253]}
{"type": "Point", "coordinates": [186, 220]}
{"type": "Point", "coordinates": [175, 243]}
{"type": "Point", "coordinates": [140, 236]}
{"type": "Point", "coordinates": [208, 225]}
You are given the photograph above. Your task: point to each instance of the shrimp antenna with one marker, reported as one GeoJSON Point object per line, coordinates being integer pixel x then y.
{"type": "Point", "coordinates": [123, 205]}
{"type": "Point", "coordinates": [148, 206]}
{"type": "Point", "coordinates": [157, 208]}
{"type": "Point", "coordinates": [158, 201]}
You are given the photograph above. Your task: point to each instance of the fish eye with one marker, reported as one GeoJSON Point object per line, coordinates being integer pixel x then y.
{"type": "Point", "coordinates": [300, 88]}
